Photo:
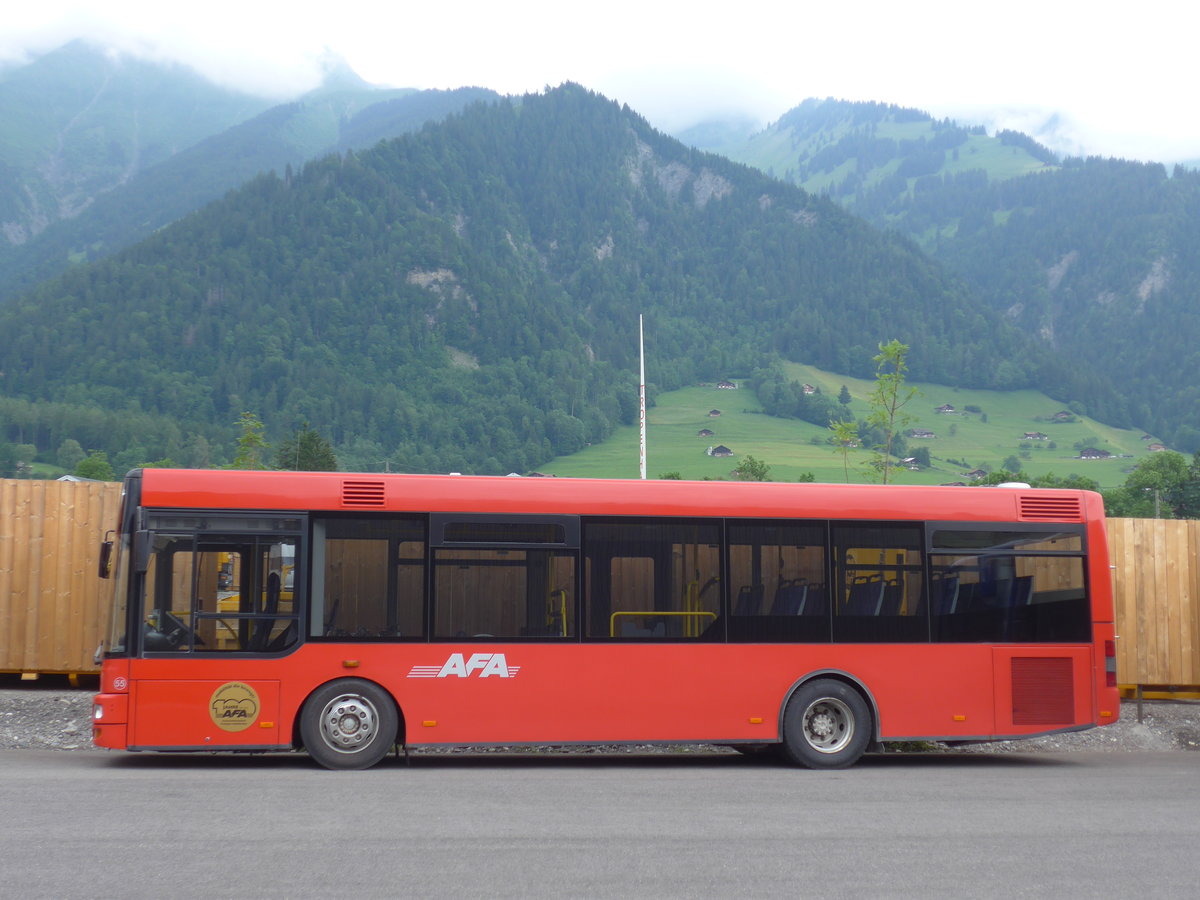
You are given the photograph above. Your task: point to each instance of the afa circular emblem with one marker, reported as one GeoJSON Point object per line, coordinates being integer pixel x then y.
{"type": "Point", "coordinates": [234, 706]}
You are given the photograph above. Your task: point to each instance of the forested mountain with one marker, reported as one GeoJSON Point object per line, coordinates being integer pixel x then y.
{"type": "Point", "coordinates": [345, 112]}
{"type": "Point", "coordinates": [466, 298]}
{"type": "Point", "coordinates": [862, 154]}
{"type": "Point", "coordinates": [1096, 259]}
{"type": "Point", "coordinates": [1100, 260]}
{"type": "Point", "coordinates": [78, 122]}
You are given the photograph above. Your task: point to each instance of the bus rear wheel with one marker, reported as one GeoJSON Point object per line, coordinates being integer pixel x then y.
{"type": "Point", "coordinates": [349, 724]}
{"type": "Point", "coordinates": [827, 725]}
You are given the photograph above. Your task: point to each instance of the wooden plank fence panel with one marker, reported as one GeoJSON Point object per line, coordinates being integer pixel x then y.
{"type": "Point", "coordinates": [53, 606]}
{"type": "Point", "coordinates": [1189, 602]}
{"type": "Point", "coordinates": [8, 508]}
{"type": "Point", "coordinates": [1121, 547]}
{"type": "Point", "coordinates": [1156, 594]}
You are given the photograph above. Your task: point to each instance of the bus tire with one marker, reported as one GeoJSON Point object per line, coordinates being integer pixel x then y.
{"type": "Point", "coordinates": [826, 725]}
{"type": "Point", "coordinates": [348, 724]}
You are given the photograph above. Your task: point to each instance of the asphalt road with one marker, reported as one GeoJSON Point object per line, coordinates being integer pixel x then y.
{"type": "Point", "coordinates": [972, 825]}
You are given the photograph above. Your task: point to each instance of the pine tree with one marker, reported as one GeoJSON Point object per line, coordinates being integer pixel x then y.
{"type": "Point", "coordinates": [306, 451]}
{"type": "Point", "coordinates": [251, 445]}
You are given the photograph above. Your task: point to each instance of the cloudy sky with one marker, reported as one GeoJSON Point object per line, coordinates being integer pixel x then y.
{"type": "Point", "coordinates": [1117, 77]}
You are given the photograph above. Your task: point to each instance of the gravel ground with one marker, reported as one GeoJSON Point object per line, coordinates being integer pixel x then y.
{"type": "Point", "coordinates": [49, 715]}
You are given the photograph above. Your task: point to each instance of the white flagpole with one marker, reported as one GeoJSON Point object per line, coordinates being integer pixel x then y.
{"type": "Point", "coordinates": [642, 398]}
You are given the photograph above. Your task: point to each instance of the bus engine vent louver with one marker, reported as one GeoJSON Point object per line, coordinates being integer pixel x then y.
{"type": "Point", "coordinates": [1043, 690]}
{"type": "Point", "coordinates": [1050, 509]}
{"type": "Point", "coordinates": [362, 494]}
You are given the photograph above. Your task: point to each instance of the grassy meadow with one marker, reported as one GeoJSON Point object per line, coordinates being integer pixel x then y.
{"type": "Point", "coordinates": [791, 448]}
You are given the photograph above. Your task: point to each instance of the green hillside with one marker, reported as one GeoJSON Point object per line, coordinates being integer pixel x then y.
{"type": "Point", "coordinates": [851, 150]}
{"type": "Point", "coordinates": [964, 440]}
{"type": "Point", "coordinates": [1096, 259]}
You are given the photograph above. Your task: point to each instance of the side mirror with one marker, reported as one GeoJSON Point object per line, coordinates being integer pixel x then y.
{"type": "Point", "coordinates": [106, 548]}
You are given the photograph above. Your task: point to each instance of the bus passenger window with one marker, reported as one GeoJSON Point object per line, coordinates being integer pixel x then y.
{"type": "Point", "coordinates": [1008, 586]}
{"type": "Point", "coordinates": [777, 578]}
{"type": "Point", "coordinates": [657, 580]}
{"type": "Point", "coordinates": [504, 593]}
{"type": "Point", "coordinates": [879, 584]}
{"type": "Point", "coordinates": [368, 579]}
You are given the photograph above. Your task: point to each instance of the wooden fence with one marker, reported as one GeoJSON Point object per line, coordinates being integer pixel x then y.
{"type": "Point", "coordinates": [1156, 588]}
{"type": "Point", "coordinates": [53, 607]}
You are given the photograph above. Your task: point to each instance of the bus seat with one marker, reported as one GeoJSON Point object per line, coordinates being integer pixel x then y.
{"type": "Point", "coordinates": [945, 595]}
{"type": "Point", "coordinates": [749, 600]}
{"type": "Point", "coordinates": [865, 598]}
{"type": "Point", "coordinates": [1022, 590]}
{"type": "Point", "coordinates": [789, 598]}
{"type": "Point", "coordinates": [892, 599]}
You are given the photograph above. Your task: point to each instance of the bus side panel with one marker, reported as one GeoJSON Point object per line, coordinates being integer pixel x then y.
{"type": "Point", "coordinates": [507, 693]}
{"type": "Point", "coordinates": [525, 693]}
{"type": "Point", "coordinates": [191, 713]}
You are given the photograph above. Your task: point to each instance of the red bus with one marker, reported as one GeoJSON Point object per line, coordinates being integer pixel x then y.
{"type": "Point", "coordinates": [347, 614]}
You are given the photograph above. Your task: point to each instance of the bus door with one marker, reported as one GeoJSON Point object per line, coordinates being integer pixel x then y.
{"type": "Point", "coordinates": [212, 598]}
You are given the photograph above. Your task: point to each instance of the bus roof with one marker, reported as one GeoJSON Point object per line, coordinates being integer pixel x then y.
{"type": "Point", "coordinates": [379, 493]}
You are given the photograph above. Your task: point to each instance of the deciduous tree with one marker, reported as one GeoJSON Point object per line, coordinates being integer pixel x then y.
{"type": "Point", "coordinates": [887, 401]}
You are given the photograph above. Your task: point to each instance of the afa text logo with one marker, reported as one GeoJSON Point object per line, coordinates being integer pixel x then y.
{"type": "Point", "coordinates": [459, 665]}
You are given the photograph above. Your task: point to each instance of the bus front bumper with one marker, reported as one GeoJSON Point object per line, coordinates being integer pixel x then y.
{"type": "Point", "coordinates": [110, 717]}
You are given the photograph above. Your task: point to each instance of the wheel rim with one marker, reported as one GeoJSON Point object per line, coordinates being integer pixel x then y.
{"type": "Point", "coordinates": [828, 725]}
{"type": "Point", "coordinates": [348, 723]}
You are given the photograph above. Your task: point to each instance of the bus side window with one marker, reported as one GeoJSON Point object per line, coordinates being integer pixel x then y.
{"type": "Point", "coordinates": [220, 595]}
{"type": "Point", "coordinates": [879, 583]}
{"type": "Point", "coordinates": [368, 578]}
{"type": "Point", "coordinates": [504, 593]}
{"type": "Point", "coordinates": [777, 571]}
{"type": "Point", "coordinates": [653, 579]}
{"type": "Point", "coordinates": [1008, 585]}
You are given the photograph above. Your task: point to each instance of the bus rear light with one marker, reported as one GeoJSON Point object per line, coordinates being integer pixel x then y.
{"type": "Point", "coordinates": [1110, 663]}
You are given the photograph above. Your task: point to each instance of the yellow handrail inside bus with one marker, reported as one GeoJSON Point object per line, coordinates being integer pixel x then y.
{"type": "Point", "coordinates": [557, 611]}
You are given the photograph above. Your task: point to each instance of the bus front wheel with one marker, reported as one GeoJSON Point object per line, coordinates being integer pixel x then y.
{"type": "Point", "coordinates": [349, 724]}
{"type": "Point", "coordinates": [826, 725]}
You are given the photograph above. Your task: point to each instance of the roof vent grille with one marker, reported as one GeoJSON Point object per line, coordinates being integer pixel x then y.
{"type": "Point", "coordinates": [363, 494]}
{"type": "Point", "coordinates": [1050, 509]}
